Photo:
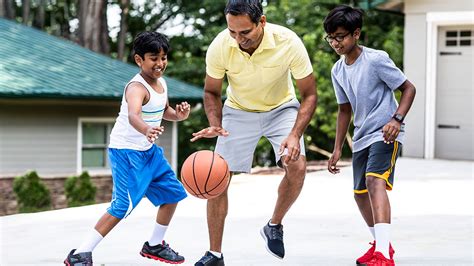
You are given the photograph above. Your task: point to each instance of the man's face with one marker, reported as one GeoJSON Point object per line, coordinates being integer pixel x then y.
{"type": "Point", "coordinates": [247, 34]}
{"type": "Point", "coordinates": [342, 41]}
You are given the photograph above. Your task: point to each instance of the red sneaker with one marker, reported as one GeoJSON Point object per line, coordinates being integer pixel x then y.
{"type": "Point", "coordinates": [369, 254]}
{"type": "Point", "coordinates": [378, 259]}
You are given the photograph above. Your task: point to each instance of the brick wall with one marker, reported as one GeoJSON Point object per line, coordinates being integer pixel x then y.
{"type": "Point", "coordinates": [9, 205]}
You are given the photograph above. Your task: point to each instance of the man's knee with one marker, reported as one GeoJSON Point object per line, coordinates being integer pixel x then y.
{"type": "Point", "coordinates": [296, 170]}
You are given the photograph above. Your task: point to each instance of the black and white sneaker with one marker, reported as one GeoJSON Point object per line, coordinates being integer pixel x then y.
{"type": "Point", "coordinates": [79, 259]}
{"type": "Point", "coordinates": [273, 236]}
{"type": "Point", "coordinates": [210, 260]}
{"type": "Point", "coordinates": [161, 252]}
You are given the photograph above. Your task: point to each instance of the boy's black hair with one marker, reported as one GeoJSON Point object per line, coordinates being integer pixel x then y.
{"type": "Point", "coordinates": [150, 42]}
{"type": "Point", "coordinates": [343, 16]}
{"type": "Point", "coordinates": [252, 8]}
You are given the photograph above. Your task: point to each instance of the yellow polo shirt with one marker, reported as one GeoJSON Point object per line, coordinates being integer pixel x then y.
{"type": "Point", "coordinates": [260, 82]}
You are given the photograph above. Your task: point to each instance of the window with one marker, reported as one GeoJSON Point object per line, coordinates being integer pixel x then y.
{"type": "Point", "coordinates": [95, 139]}
{"type": "Point", "coordinates": [459, 38]}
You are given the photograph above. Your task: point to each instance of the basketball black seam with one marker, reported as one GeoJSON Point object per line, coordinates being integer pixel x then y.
{"type": "Point", "coordinates": [184, 179]}
{"type": "Point", "coordinates": [194, 176]}
{"type": "Point", "coordinates": [222, 179]}
{"type": "Point", "coordinates": [209, 174]}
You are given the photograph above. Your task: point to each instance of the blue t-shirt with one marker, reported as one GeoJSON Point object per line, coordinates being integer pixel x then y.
{"type": "Point", "coordinates": [368, 85]}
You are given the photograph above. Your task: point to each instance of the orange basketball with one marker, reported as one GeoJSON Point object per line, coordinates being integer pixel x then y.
{"type": "Point", "coordinates": [205, 174]}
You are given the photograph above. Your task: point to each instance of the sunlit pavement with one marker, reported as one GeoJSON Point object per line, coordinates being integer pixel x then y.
{"type": "Point", "coordinates": [432, 210]}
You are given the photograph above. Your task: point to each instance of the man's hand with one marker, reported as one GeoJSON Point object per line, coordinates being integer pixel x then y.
{"type": "Point", "coordinates": [390, 131]}
{"type": "Point", "coordinates": [182, 110]}
{"type": "Point", "coordinates": [210, 132]}
{"type": "Point", "coordinates": [292, 144]}
{"type": "Point", "coordinates": [153, 132]}
{"type": "Point", "coordinates": [332, 168]}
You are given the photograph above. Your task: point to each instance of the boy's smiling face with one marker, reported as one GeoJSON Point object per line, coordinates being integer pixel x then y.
{"type": "Point", "coordinates": [342, 41]}
{"type": "Point", "coordinates": [152, 65]}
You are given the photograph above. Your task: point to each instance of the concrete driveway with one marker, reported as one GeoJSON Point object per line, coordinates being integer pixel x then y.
{"type": "Point", "coordinates": [432, 209]}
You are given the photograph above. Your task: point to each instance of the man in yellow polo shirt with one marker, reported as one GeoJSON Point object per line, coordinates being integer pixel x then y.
{"type": "Point", "coordinates": [258, 59]}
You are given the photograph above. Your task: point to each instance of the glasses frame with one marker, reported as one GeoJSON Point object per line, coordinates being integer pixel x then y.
{"type": "Point", "coordinates": [338, 38]}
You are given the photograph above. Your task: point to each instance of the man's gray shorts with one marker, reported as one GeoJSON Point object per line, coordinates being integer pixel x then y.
{"type": "Point", "coordinates": [246, 128]}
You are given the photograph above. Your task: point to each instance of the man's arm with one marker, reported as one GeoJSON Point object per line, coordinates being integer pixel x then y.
{"type": "Point", "coordinates": [307, 88]}
{"type": "Point", "coordinates": [343, 119]}
{"type": "Point", "coordinates": [213, 108]}
{"type": "Point", "coordinates": [213, 101]}
{"type": "Point", "coordinates": [309, 98]}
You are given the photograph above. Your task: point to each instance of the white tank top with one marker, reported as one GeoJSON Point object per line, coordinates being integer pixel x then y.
{"type": "Point", "coordinates": [124, 135]}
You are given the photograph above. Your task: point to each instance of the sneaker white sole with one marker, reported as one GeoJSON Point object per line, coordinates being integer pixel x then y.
{"type": "Point", "coordinates": [266, 245]}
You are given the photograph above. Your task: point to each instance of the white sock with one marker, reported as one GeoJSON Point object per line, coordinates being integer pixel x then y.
{"type": "Point", "coordinates": [372, 231]}
{"type": "Point", "coordinates": [382, 236]}
{"type": "Point", "coordinates": [270, 223]}
{"type": "Point", "coordinates": [90, 242]}
{"type": "Point", "coordinates": [215, 253]}
{"type": "Point", "coordinates": [158, 234]}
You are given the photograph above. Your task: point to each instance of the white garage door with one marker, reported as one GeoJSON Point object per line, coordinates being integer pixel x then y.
{"type": "Point", "coordinates": [454, 93]}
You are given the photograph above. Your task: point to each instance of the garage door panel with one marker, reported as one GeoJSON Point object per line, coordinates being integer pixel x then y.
{"type": "Point", "coordinates": [454, 93]}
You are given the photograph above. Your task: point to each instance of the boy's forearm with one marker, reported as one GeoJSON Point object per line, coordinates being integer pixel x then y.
{"type": "Point", "coordinates": [407, 98]}
{"type": "Point", "coordinates": [343, 120]}
{"type": "Point", "coordinates": [138, 123]}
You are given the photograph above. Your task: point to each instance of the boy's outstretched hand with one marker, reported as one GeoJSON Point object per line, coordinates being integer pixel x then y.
{"type": "Point", "coordinates": [182, 110]}
{"type": "Point", "coordinates": [210, 132]}
{"type": "Point", "coordinates": [332, 168]}
{"type": "Point", "coordinates": [153, 132]}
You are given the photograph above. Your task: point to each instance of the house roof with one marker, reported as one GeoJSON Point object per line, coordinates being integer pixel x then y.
{"type": "Point", "coordinates": [387, 5]}
{"type": "Point", "coordinates": [34, 64]}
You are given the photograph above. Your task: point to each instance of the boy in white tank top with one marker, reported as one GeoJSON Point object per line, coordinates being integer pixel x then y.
{"type": "Point", "coordinates": [139, 167]}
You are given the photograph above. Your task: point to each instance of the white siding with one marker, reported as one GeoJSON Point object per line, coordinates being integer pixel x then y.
{"type": "Point", "coordinates": [44, 137]}
{"type": "Point", "coordinates": [415, 70]}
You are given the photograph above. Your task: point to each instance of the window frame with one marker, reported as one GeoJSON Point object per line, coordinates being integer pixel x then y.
{"type": "Point", "coordinates": [109, 122]}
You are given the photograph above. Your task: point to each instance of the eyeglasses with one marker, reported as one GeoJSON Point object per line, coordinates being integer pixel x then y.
{"type": "Point", "coordinates": [338, 38]}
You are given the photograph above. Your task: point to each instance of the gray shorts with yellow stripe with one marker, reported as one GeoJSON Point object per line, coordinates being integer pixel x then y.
{"type": "Point", "coordinates": [377, 160]}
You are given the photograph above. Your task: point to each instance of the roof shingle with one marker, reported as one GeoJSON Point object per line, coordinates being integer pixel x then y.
{"type": "Point", "coordinates": [34, 64]}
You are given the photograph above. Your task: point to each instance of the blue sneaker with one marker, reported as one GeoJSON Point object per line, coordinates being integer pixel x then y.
{"type": "Point", "coordinates": [210, 260]}
{"type": "Point", "coordinates": [273, 236]}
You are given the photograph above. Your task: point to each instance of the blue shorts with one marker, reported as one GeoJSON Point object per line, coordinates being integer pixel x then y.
{"type": "Point", "coordinates": [377, 160]}
{"type": "Point", "coordinates": [138, 173]}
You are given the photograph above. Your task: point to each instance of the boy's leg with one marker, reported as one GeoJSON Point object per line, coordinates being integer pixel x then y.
{"type": "Point", "coordinates": [105, 224]}
{"type": "Point", "coordinates": [379, 178]}
{"type": "Point", "coordinates": [163, 219]}
{"type": "Point", "coordinates": [165, 191]}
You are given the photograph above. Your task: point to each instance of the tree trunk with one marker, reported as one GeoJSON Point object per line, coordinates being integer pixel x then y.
{"type": "Point", "coordinates": [25, 7]}
{"type": "Point", "coordinates": [92, 23]}
{"type": "Point", "coordinates": [2, 8]}
{"type": "Point", "coordinates": [7, 9]}
{"type": "Point", "coordinates": [125, 6]}
{"type": "Point", "coordinates": [40, 15]}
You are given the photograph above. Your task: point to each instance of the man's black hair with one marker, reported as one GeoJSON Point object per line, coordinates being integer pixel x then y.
{"type": "Point", "coordinates": [150, 42]}
{"type": "Point", "coordinates": [343, 16]}
{"type": "Point", "coordinates": [252, 8]}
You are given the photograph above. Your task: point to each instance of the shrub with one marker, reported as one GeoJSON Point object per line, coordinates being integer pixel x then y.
{"type": "Point", "coordinates": [79, 190]}
{"type": "Point", "coordinates": [32, 194]}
